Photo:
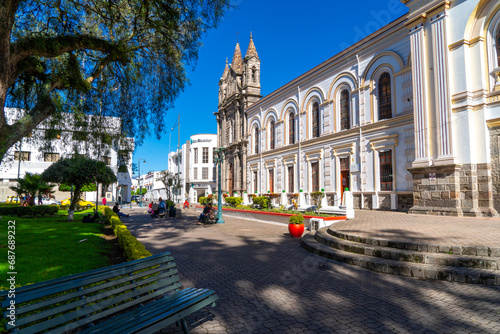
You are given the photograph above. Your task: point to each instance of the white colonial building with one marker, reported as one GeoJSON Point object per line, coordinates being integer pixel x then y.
{"type": "Point", "coordinates": [195, 166]}
{"type": "Point", "coordinates": [407, 118]}
{"type": "Point", "coordinates": [26, 156]}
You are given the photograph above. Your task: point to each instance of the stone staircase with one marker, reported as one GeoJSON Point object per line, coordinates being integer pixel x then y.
{"type": "Point", "coordinates": [464, 264]}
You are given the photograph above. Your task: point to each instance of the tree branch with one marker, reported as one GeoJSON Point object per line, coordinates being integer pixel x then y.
{"type": "Point", "coordinates": [52, 47]}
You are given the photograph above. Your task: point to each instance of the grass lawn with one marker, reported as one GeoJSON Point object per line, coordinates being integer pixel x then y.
{"type": "Point", "coordinates": [51, 247]}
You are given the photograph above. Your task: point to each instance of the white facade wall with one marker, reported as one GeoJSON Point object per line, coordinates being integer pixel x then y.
{"type": "Point", "coordinates": [11, 169]}
{"type": "Point", "coordinates": [358, 71]}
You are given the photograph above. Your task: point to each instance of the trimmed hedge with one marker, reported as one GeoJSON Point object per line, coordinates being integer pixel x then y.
{"type": "Point", "coordinates": [262, 201]}
{"type": "Point", "coordinates": [234, 201]}
{"type": "Point", "coordinates": [131, 247]}
{"type": "Point", "coordinates": [30, 211]}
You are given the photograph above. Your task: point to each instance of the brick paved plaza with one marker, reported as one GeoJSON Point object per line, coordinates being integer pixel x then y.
{"type": "Point", "coordinates": [267, 283]}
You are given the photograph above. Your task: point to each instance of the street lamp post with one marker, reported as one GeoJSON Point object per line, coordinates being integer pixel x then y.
{"type": "Point", "coordinates": [140, 186]}
{"type": "Point", "coordinates": [219, 159]}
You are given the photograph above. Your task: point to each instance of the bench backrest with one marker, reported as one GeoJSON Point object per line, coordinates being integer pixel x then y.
{"type": "Point", "coordinates": [75, 301]}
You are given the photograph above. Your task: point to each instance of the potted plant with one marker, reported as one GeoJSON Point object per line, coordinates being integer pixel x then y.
{"type": "Point", "coordinates": [296, 225]}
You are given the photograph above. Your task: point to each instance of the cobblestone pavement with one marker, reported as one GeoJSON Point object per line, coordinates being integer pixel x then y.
{"type": "Point", "coordinates": [268, 284]}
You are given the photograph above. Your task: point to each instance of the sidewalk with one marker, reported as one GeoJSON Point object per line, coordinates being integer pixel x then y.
{"type": "Point", "coordinates": [268, 284]}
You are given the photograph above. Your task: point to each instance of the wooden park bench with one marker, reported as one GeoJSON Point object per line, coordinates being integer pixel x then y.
{"type": "Point", "coordinates": [141, 296]}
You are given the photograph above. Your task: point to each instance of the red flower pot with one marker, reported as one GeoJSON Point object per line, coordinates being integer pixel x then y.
{"type": "Point", "coordinates": [296, 230]}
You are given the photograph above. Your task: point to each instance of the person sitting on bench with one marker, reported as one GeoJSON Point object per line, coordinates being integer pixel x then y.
{"type": "Point", "coordinates": [154, 209]}
{"type": "Point", "coordinates": [117, 211]}
{"type": "Point", "coordinates": [206, 213]}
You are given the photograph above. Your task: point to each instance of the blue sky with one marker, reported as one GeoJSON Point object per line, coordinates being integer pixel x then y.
{"type": "Point", "coordinates": [291, 37]}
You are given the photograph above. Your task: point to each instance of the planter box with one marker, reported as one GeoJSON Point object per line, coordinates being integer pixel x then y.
{"type": "Point", "coordinates": [271, 216]}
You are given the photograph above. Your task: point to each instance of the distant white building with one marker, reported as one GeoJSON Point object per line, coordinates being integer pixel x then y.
{"type": "Point", "coordinates": [26, 156]}
{"type": "Point", "coordinates": [195, 167]}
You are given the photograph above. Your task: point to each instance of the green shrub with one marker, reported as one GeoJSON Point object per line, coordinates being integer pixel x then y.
{"type": "Point", "coordinates": [203, 200]}
{"type": "Point", "coordinates": [234, 201]}
{"type": "Point", "coordinates": [30, 211]}
{"type": "Point", "coordinates": [243, 207]}
{"type": "Point", "coordinates": [262, 201]}
{"type": "Point", "coordinates": [296, 219]}
{"type": "Point", "coordinates": [131, 247]}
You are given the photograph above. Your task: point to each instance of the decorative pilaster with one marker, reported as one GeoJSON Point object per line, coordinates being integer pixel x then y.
{"type": "Point", "coordinates": [442, 94]}
{"type": "Point", "coordinates": [419, 77]}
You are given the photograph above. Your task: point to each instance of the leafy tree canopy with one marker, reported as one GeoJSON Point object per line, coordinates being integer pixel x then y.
{"type": "Point", "coordinates": [97, 57]}
{"type": "Point", "coordinates": [78, 171]}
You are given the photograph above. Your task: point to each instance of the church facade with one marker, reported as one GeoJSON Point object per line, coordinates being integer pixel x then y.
{"type": "Point", "coordinates": [406, 119]}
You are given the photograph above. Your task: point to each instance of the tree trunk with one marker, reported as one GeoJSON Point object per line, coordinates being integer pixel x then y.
{"type": "Point", "coordinates": [76, 196]}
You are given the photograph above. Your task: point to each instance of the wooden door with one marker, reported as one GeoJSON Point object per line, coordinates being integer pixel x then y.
{"type": "Point", "coordinates": [344, 176]}
{"type": "Point", "coordinates": [230, 181]}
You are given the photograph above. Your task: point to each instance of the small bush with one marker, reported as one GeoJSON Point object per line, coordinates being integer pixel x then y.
{"type": "Point", "coordinates": [262, 201]}
{"type": "Point", "coordinates": [204, 200]}
{"type": "Point", "coordinates": [243, 207]}
{"type": "Point", "coordinates": [30, 211]}
{"type": "Point", "coordinates": [297, 219]}
{"type": "Point", "coordinates": [131, 247]}
{"type": "Point", "coordinates": [234, 201]}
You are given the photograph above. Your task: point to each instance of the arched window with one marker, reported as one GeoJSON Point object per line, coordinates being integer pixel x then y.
{"type": "Point", "coordinates": [271, 135]}
{"type": "Point", "coordinates": [498, 46]}
{"type": "Point", "coordinates": [315, 120]}
{"type": "Point", "coordinates": [384, 97]}
{"type": "Point", "coordinates": [345, 121]}
{"type": "Point", "coordinates": [254, 74]}
{"type": "Point", "coordinates": [256, 138]}
{"type": "Point", "coordinates": [291, 128]}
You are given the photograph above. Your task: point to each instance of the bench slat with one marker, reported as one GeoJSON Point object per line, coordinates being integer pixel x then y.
{"type": "Point", "coordinates": [168, 311]}
{"type": "Point", "coordinates": [95, 298]}
{"type": "Point", "coordinates": [180, 315]}
{"type": "Point", "coordinates": [79, 293]}
{"type": "Point", "coordinates": [145, 262]}
{"type": "Point", "coordinates": [77, 301]}
{"type": "Point", "coordinates": [86, 313]}
{"type": "Point", "coordinates": [45, 290]}
{"type": "Point", "coordinates": [142, 311]}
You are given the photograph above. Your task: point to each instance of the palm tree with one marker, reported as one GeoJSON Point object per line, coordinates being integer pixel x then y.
{"type": "Point", "coordinates": [32, 185]}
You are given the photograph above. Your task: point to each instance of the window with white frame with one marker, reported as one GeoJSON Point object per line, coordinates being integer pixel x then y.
{"type": "Point", "coordinates": [205, 155]}
{"type": "Point", "coordinates": [315, 120]}
{"type": "Point", "coordinates": [195, 173]}
{"type": "Point", "coordinates": [53, 157]}
{"type": "Point", "coordinates": [345, 111]}
{"type": "Point", "coordinates": [23, 156]}
{"type": "Point", "coordinates": [256, 140]}
{"type": "Point", "coordinates": [255, 181]}
{"type": "Point", "coordinates": [271, 180]}
{"type": "Point", "coordinates": [386, 176]}
{"type": "Point", "coordinates": [314, 176]}
{"type": "Point", "coordinates": [195, 153]}
{"type": "Point", "coordinates": [204, 173]}
{"type": "Point", "coordinates": [291, 128]}
{"type": "Point", "coordinates": [497, 40]}
{"type": "Point", "coordinates": [384, 96]}
{"type": "Point", "coordinates": [290, 179]}
{"type": "Point", "coordinates": [271, 135]}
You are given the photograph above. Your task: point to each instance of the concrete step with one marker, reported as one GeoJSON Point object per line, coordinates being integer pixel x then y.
{"type": "Point", "coordinates": [409, 269]}
{"type": "Point", "coordinates": [419, 246]}
{"type": "Point", "coordinates": [441, 259]}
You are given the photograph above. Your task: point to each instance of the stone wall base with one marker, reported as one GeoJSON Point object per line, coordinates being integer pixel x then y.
{"type": "Point", "coordinates": [453, 190]}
